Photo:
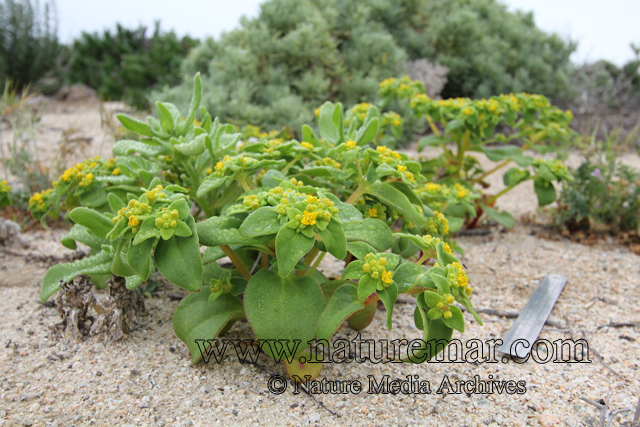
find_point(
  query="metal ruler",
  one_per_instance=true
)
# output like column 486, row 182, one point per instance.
column 525, row 330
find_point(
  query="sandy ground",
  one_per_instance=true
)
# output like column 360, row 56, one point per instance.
column 148, row 378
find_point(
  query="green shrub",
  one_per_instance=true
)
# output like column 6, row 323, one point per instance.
column 275, row 207
column 606, row 193
column 277, row 68
column 488, row 50
column 128, row 64
column 28, row 41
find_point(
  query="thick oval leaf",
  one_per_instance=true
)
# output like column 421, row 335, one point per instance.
column 353, row 270
column 290, row 248
column 432, row 141
column 302, row 366
column 217, row 231
column 165, row 116
column 261, row 222
column 195, row 147
column 456, row 321
column 334, row 239
column 545, row 191
column 507, row 152
column 408, row 275
column 127, row 147
column 135, row 125
column 393, row 197
column 283, row 308
column 328, row 129
column 435, row 339
column 80, row 233
column 195, row 321
column 367, row 132
column 503, row 218
column 343, row 303
column 360, row 249
column 178, row 259
column 363, row 318
column 373, row 231
column 388, row 296
column 95, row 222
column 98, row 264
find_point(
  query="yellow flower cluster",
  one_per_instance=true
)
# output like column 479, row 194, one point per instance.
column 328, row 162
column 307, row 145
column 387, row 155
column 167, row 220
column 273, row 145
column 136, row 209
column 40, row 201
column 438, row 224
column 433, row 241
column 220, row 286
column 315, row 210
column 458, row 277
column 374, row 266
column 4, row 187
column 253, row 202
column 443, row 306
column 377, row 211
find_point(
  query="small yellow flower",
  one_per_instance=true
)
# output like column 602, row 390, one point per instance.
column 309, row 218
column 373, row 212
column 351, row 144
column 387, row 277
column 401, row 168
column 307, row 145
column 133, row 221
column 116, row 171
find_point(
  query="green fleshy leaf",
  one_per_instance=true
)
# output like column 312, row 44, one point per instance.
column 182, row 230
column 80, row 233
column 431, row 298
column 135, row 125
column 195, row 320
column 133, row 282
column 388, row 296
column 456, row 321
column 290, row 248
column 444, row 258
column 263, row 221
column 178, row 259
column 441, row 282
column 503, row 218
column 366, row 286
column 98, row 264
column 127, row 147
column 343, row 303
column 283, row 308
column 363, row 318
column 139, row 258
column 408, row 275
column 353, row 270
column 373, row 231
column 334, row 239
column 181, row 206
column 545, row 191
column 148, row 229
column 95, row 222
column 217, row 231
column 360, row 249
column 393, row 197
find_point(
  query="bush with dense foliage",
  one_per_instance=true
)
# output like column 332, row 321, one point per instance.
column 277, row 68
column 28, row 41
column 128, row 64
column 275, row 207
